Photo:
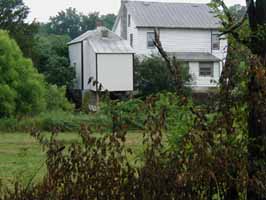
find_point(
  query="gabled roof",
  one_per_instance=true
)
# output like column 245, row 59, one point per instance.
column 111, row 43
column 172, row 15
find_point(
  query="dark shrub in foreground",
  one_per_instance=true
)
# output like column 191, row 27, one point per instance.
column 207, row 163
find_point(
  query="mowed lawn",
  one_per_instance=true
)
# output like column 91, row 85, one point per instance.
column 21, row 155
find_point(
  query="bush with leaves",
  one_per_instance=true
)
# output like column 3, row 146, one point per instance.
column 151, row 75
column 56, row 99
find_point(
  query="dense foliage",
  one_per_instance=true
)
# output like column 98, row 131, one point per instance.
column 22, row 88
column 151, row 75
column 204, row 162
column 52, row 60
column 72, row 23
column 13, row 14
column 214, row 150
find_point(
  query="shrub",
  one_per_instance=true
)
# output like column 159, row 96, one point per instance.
column 209, row 164
column 56, row 99
column 59, row 120
column 151, row 76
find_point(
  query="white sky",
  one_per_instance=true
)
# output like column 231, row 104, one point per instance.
column 43, row 9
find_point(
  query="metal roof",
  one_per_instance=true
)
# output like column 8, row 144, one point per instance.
column 172, row 15
column 111, row 43
column 194, row 56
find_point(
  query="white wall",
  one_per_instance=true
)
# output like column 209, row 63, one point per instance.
column 75, row 60
column 132, row 30
column 115, row 71
column 89, row 65
column 118, row 27
column 222, row 52
column 176, row 40
column 204, row 81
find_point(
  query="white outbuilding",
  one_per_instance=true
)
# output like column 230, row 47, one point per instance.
column 102, row 58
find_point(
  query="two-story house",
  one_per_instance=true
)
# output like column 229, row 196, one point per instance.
column 190, row 32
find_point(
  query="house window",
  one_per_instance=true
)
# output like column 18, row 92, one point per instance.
column 129, row 20
column 150, row 39
column 215, row 41
column 206, row 69
column 131, row 40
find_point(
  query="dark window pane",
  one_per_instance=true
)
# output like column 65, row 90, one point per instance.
column 131, row 40
column 129, row 20
column 150, row 39
column 206, row 69
column 215, row 42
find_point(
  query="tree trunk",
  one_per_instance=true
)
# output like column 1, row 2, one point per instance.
column 257, row 97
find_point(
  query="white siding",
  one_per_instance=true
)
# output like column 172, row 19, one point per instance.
column 176, row 40
column 186, row 40
column 89, row 65
column 118, row 27
column 204, row 81
column 75, row 60
column 132, row 30
column 115, row 71
column 222, row 52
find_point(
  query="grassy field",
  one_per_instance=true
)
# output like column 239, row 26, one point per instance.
column 21, row 155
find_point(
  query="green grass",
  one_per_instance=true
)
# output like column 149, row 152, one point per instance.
column 21, row 155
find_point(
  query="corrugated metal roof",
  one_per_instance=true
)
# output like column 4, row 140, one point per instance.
column 172, row 15
column 112, row 43
column 194, row 56
column 107, row 46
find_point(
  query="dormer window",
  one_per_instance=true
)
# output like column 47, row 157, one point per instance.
column 215, row 41
column 129, row 20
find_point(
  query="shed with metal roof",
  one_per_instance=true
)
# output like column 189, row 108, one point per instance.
column 102, row 61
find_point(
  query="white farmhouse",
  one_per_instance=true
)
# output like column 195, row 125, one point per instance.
column 102, row 61
column 187, row 31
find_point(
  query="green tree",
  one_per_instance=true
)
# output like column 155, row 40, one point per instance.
column 66, row 22
column 22, row 89
column 52, row 59
column 13, row 14
column 73, row 23
column 89, row 22
column 108, row 20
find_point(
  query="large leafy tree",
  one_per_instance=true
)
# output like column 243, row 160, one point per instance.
column 13, row 14
column 66, row 22
column 52, row 59
column 108, row 20
column 72, row 23
column 22, row 88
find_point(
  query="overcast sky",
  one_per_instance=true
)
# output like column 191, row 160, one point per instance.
column 43, row 9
